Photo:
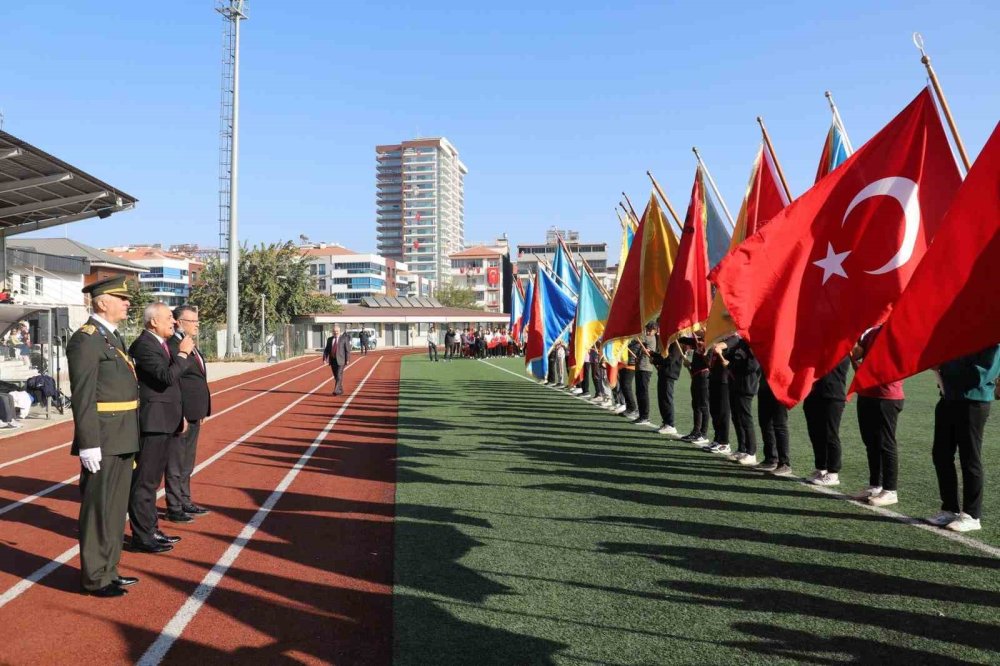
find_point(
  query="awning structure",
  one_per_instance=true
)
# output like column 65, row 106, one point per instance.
column 38, row 190
column 11, row 314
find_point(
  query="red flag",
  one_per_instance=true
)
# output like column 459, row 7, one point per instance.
column 950, row 307
column 535, row 347
column 807, row 285
column 686, row 303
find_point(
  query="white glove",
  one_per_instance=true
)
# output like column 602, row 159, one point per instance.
column 91, row 459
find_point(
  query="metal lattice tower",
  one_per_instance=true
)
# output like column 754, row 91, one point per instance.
column 232, row 11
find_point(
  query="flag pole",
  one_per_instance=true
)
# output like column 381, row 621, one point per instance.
column 666, row 201
column 552, row 273
column 625, row 210
column 630, row 206
column 777, row 164
column 840, row 121
column 593, row 276
column 620, row 220
column 918, row 41
column 715, row 188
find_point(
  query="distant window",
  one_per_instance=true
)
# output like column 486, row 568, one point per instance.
column 39, row 285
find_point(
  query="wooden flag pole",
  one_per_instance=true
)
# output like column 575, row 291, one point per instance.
column 625, row 210
column 666, row 202
column 636, row 217
column 715, row 188
column 918, row 41
column 593, row 276
column 777, row 164
column 840, row 121
column 552, row 274
column 620, row 220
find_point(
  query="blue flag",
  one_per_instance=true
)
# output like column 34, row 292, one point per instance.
column 553, row 314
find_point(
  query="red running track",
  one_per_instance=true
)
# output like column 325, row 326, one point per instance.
column 312, row 584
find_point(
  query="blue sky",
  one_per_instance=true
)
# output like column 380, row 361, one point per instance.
column 556, row 107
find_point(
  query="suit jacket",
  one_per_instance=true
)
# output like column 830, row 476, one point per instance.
column 337, row 351
column 160, row 404
column 195, row 396
column 101, row 372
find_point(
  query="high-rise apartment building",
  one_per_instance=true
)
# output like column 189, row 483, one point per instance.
column 420, row 200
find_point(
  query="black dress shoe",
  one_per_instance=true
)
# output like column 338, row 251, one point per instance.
column 139, row 547
column 178, row 517
column 195, row 510
column 163, row 538
column 125, row 581
column 106, row 592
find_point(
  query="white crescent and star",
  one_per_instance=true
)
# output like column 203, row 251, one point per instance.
column 902, row 190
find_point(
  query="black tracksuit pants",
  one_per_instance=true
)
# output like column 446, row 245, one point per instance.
column 877, row 419
column 823, row 423
column 700, row 404
column 959, row 425
column 665, row 395
column 742, row 411
column 718, row 396
column 773, row 417
column 642, row 378
column 626, row 380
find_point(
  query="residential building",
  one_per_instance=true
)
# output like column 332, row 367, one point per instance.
column 168, row 275
column 101, row 265
column 350, row 276
column 595, row 254
column 420, row 204
column 486, row 271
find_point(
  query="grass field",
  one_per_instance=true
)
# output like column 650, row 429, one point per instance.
column 533, row 528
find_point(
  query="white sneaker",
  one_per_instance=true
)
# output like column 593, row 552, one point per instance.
column 597, row 400
column 620, row 409
column 943, row 518
column 828, row 479
column 631, row 416
column 748, row 459
column 723, row 449
column 884, row 498
column 577, row 391
column 964, row 523
column 701, row 441
column 817, row 474
column 736, row 457
column 869, row 491
column 668, row 430
column 642, row 422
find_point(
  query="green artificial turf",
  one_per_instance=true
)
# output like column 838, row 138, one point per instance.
column 533, row 528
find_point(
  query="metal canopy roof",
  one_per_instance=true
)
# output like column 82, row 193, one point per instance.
column 38, row 190
column 400, row 302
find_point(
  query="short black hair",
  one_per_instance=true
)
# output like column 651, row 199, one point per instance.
column 181, row 309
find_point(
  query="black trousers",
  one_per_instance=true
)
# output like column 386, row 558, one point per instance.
column 432, row 351
column 626, row 380
column 151, row 463
column 665, row 395
column 718, row 397
column 338, row 378
column 742, row 410
column 823, row 423
column 104, row 503
column 642, row 378
column 958, row 425
column 180, row 465
column 585, row 379
column 700, row 404
column 877, row 419
column 773, row 417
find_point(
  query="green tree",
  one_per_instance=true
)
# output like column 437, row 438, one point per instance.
column 139, row 297
column 276, row 271
column 456, row 297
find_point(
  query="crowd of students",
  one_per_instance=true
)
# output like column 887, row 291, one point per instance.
column 470, row 343
column 725, row 378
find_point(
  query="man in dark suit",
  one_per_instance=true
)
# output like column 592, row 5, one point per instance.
column 161, row 422
column 105, row 435
column 197, row 402
column 337, row 353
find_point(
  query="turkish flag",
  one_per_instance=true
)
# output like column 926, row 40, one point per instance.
column 805, row 287
column 950, row 307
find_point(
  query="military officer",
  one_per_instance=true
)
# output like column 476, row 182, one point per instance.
column 105, row 435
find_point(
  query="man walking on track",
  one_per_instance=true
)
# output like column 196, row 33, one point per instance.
column 337, row 353
column 105, row 435
column 197, row 402
column 161, row 420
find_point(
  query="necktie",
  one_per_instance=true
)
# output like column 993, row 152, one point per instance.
column 201, row 363
column 166, row 349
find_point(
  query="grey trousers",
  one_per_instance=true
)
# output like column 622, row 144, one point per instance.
column 180, row 465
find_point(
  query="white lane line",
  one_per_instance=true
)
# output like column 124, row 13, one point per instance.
column 158, row 650
column 51, row 489
column 65, row 444
column 885, row 513
column 25, row 584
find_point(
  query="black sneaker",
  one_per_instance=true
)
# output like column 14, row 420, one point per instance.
column 178, row 517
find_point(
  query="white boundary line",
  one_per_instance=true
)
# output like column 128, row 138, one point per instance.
column 51, row 489
column 25, row 584
column 885, row 513
column 175, row 627
column 65, row 444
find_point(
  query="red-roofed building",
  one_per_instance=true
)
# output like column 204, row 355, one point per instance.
column 168, row 275
column 487, row 272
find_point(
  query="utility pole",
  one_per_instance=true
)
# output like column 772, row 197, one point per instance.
column 232, row 12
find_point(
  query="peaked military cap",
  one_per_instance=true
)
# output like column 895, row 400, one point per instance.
column 114, row 286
